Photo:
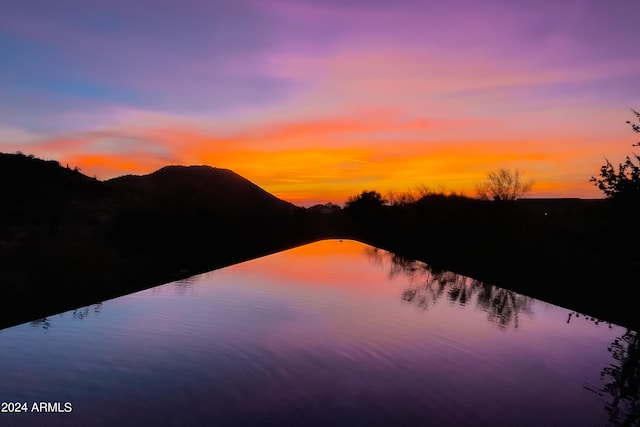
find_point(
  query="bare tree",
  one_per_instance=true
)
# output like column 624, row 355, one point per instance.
column 504, row 184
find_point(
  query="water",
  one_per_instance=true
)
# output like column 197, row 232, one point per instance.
column 333, row 333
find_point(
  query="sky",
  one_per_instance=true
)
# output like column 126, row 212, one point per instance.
column 318, row 100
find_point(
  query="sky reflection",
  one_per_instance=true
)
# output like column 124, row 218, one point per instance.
column 319, row 335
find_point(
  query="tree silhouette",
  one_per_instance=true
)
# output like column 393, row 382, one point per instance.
column 623, row 181
column 504, row 184
column 635, row 127
column 365, row 203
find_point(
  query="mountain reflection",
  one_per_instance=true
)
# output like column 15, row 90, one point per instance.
column 428, row 285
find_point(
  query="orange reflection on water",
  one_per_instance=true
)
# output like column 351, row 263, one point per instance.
column 325, row 264
column 335, row 274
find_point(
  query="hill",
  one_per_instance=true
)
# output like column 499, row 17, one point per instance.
column 38, row 192
column 68, row 240
column 216, row 190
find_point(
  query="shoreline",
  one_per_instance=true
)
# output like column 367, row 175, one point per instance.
column 558, row 287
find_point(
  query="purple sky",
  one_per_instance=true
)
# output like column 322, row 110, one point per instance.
column 539, row 73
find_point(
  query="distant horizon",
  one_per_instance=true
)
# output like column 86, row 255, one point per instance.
column 304, row 203
column 318, row 100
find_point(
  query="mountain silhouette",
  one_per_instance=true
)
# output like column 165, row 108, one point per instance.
column 37, row 192
column 68, row 240
column 219, row 190
column 44, row 178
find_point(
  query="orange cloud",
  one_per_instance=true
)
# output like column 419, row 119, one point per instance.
column 330, row 159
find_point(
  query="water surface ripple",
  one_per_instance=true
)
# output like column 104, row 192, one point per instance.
column 333, row 333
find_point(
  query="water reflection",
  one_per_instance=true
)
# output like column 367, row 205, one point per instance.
column 318, row 336
column 82, row 313
column 594, row 320
column 184, row 286
column 428, row 285
column 44, row 323
column 78, row 314
column 621, row 381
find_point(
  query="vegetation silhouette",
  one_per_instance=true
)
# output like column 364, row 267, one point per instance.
column 365, row 205
column 67, row 240
column 504, row 184
column 576, row 253
column 429, row 285
column 621, row 381
column 557, row 250
column 622, row 182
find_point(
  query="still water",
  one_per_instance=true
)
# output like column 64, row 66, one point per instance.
column 333, row 333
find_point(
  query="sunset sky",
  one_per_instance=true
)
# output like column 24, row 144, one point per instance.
column 317, row 100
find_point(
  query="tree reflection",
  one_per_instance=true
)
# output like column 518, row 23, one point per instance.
column 595, row 320
column 502, row 305
column 184, row 286
column 82, row 313
column 428, row 285
column 622, row 381
column 78, row 314
column 43, row 323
